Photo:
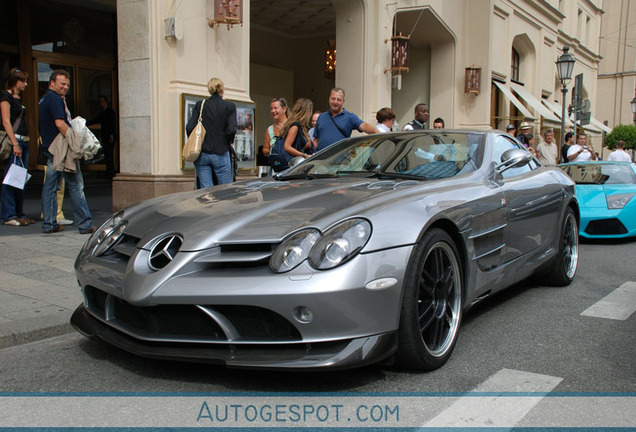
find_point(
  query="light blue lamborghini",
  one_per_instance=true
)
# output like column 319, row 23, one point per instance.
column 606, row 194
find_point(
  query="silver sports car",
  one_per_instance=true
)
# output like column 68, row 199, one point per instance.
column 369, row 251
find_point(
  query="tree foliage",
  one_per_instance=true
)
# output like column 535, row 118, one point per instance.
column 623, row 132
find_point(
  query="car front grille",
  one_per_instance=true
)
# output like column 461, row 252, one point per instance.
column 258, row 323
column 605, row 227
column 190, row 323
column 171, row 321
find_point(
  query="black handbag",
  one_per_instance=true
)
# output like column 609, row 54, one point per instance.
column 261, row 159
column 42, row 159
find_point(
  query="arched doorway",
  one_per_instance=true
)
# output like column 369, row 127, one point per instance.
column 432, row 66
column 287, row 53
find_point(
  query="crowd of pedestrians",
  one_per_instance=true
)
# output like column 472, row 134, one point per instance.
column 574, row 149
column 300, row 130
column 329, row 127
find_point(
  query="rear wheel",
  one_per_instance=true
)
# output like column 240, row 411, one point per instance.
column 432, row 304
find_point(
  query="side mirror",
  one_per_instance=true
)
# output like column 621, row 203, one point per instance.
column 513, row 158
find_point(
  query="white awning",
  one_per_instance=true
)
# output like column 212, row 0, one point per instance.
column 534, row 103
column 508, row 94
column 600, row 125
column 556, row 108
column 594, row 126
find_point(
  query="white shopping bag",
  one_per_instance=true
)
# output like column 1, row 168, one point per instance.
column 17, row 175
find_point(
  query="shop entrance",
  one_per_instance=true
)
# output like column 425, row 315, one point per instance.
column 78, row 36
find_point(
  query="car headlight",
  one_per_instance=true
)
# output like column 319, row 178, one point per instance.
column 618, row 201
column 107, row 235
column 340, row 243
column 293, row 250
column 323, row 251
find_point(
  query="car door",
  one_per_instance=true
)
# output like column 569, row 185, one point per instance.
column 534, row 201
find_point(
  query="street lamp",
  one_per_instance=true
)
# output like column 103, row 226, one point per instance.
column 634, row 109
column 565, row 67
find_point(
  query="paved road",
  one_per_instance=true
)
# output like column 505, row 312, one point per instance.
column 528, row 328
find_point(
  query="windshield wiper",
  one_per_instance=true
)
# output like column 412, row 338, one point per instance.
column 306, row 176
column 348, row 172
column 392, row 175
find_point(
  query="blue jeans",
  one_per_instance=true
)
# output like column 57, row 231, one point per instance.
column 13, row 198
column 75, row 188
column 209, row 163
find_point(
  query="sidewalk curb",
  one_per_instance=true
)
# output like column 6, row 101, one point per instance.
column 34, row 329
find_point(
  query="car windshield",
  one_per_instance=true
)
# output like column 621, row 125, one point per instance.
column 419, row 156
column 599, row 173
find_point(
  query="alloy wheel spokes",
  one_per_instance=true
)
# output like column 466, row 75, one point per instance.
column 437, row 300
column 427, row 316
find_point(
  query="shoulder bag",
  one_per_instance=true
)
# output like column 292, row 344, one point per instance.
column 5, row 143
column 278, row 158
column 192, row 147
column 338, row 127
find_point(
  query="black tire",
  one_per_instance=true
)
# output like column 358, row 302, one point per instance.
column 561, row 269
column 431, row 304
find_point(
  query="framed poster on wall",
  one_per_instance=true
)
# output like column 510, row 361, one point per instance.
column 244, row 143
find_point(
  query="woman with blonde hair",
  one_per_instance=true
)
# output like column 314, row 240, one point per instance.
column 278, row 111
column 214, row 166
column 14, row 124
column 296, row 130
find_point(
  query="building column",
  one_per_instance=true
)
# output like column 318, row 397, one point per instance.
column 155, row 72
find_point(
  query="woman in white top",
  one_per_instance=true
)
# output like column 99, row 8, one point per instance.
column 278, row 110
column 385, row 118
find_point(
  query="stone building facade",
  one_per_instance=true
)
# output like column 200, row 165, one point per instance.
column 166, row 51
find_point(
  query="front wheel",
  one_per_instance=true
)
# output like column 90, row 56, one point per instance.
column 562, row 268
column 432, row 303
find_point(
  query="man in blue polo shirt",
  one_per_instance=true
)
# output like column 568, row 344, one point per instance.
column 55, row 118
column 338, row 123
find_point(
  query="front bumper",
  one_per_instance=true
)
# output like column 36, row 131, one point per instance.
column 339, row 354
column 605, row 223
column 247, row 317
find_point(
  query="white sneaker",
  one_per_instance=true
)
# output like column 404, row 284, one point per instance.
column 65, row 221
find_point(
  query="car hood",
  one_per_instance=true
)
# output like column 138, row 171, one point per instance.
column 593, row 196
column 258, row 211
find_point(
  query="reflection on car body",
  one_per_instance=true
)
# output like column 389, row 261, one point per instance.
column 371, row 250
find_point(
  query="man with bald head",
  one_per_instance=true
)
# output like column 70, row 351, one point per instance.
column 338, row 123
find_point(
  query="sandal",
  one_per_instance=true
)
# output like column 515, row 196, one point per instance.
column 15, row 222
column 28, row 221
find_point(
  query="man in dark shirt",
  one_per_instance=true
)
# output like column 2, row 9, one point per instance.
column 108, row 122
column 55, row 119
column 421, row 114
column 569, row 140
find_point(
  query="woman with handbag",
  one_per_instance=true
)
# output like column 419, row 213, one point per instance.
column 295, row 136
column 214, row 166
column 14, row 125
